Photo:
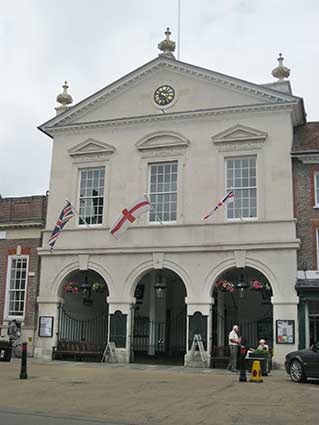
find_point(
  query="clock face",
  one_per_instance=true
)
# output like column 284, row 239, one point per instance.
column 164, row 95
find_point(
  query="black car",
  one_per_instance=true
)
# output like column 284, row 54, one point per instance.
column 303, row 364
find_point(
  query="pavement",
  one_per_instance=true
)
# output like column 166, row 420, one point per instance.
column 70, row 393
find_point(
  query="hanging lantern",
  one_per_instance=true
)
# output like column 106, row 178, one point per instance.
column 242, row 285
column 160, row 286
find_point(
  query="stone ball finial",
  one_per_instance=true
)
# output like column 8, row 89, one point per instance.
column 167, row 46
column 64, row 98
column 281, row 72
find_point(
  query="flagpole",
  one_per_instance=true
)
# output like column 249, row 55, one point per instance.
column 178, row 29
column 77, row 213
column 152, row 207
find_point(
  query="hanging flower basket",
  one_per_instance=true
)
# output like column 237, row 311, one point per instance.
column 224, row 285
column 71, row 287
column 98, row 287
column 256, row 285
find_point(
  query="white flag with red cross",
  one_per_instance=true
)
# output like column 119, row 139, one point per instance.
column 129, row 215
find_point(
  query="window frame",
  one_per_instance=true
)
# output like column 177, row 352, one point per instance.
column 234, row 158
column 8, row 316
column 80, row 170
column 316, row 189
column 157, row 163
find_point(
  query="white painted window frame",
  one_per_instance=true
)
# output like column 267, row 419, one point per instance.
column 233, row 158
column 91, row 167
column 156, row 163
column 8, row 316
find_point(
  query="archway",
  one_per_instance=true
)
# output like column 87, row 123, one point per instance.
column 242, row 296
column 159, row 326
column 83, row 317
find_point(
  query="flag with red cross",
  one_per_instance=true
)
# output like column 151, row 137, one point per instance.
column 129, row 215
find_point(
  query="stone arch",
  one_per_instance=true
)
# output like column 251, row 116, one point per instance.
column 140, row 270
column 56, row 288
column 230, row 263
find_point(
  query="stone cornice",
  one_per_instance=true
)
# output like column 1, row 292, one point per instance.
column 156, row 65
column 21, row 225
column 307, row 158
column 243, row 222
column 207, row 247
column 173, row 116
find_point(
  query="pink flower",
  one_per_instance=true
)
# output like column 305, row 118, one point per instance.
column 257, row 285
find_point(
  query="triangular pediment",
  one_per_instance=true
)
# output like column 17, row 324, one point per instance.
column 196, row 89
column 91, row 147
column 160, row 140
column 239, row 133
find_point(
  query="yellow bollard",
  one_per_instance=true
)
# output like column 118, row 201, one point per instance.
column 255, row 375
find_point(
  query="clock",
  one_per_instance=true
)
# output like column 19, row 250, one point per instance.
column 164, row 95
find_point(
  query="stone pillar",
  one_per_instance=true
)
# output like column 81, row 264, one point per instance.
column 43, row 345
column 120, row 322
column 118, row 329
column 285, row 310
column 199, row 321
column 220, row 319
column 152, row 316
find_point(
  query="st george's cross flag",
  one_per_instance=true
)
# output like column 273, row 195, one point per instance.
column 129, row 215
column 229, row 196
column 66, row 214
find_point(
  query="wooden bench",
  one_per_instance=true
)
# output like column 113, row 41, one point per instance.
column 69, row 350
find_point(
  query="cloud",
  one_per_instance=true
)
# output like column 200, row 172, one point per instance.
column 90, row 44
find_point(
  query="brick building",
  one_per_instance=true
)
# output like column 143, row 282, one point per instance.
column 305, row 162
column 21, row 222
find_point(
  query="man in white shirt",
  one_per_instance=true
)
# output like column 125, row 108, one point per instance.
column 234, row 343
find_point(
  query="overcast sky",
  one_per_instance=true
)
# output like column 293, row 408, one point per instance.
column 91, row 43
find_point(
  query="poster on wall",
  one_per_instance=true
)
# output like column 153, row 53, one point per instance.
column 46, row 326
column 285, row 331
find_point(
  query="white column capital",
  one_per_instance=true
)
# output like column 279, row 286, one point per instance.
column 202, row 307
column 123, row 306
column 285, row 301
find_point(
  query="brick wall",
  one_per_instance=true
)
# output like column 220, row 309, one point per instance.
column 21, row 213
column 29, row 246
column 23, row 209
column 307, row 216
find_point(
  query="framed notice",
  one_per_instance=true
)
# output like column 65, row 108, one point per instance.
column 46, row 326
column 285, row 331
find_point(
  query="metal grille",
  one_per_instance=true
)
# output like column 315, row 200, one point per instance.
column 76, row 328
column 166, row 337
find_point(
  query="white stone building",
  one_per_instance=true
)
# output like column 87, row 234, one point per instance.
column 184, row 135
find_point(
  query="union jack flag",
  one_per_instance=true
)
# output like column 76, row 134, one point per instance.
column 229, row 196
column 66, row 214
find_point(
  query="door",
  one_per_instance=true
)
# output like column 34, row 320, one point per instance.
column 311, row 361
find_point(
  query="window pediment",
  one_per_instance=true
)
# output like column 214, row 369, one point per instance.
column 91, row 148
column 162, row 140
column 240, row 137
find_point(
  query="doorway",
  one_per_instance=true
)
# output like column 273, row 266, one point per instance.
column 243, row 297
column 159, row 327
